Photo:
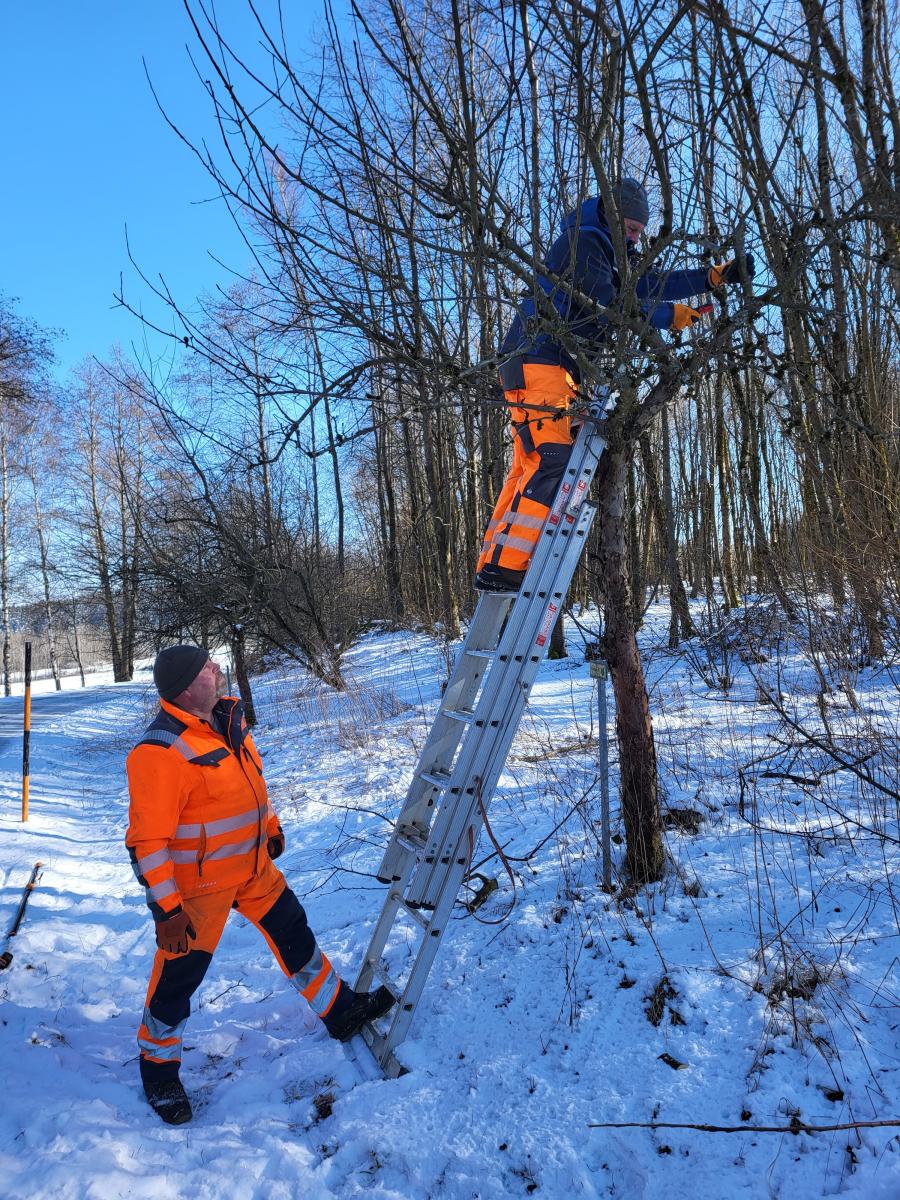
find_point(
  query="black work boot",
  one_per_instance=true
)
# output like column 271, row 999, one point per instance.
column 351, row 1010
column 492, row 578
column 169, row 1101
column 163, row 1089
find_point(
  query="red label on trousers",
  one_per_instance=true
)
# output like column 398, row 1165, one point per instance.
column 548, row 624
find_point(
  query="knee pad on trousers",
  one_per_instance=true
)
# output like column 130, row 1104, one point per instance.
column 541, row 488
column 286, row 925
column 180, row 978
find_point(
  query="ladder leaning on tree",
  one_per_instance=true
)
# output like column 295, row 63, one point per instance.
column 433, row 842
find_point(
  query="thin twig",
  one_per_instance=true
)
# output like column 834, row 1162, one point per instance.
column 794, row 1127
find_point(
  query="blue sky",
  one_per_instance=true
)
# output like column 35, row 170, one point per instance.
column 86, row 153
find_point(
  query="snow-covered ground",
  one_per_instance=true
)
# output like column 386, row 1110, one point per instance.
column 767, row 958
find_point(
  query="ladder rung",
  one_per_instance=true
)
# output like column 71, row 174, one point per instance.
column 413, row 844
column 438, row 779
column 481, row 653
column 408, row 908
column 459, row 714
column 394, row 988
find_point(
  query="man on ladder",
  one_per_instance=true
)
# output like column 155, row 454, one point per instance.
column 538, row 372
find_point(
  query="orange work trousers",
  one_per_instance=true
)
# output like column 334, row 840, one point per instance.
column 542, row 443
column 268, row 902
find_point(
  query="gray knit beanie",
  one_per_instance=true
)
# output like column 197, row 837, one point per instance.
column 176, row 668
column 632, row 200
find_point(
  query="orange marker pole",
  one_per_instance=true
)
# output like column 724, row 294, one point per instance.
column 26, row 736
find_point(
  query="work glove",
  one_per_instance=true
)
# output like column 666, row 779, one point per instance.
column 729, row 272
column 275, row 844
column 683, row 317
column 173, row 933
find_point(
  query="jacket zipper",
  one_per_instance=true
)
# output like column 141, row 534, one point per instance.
column 258, row 807
column 201, row 851
column 236, row 751
column 237, row 754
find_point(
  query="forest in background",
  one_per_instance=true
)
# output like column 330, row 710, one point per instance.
column 322, row 447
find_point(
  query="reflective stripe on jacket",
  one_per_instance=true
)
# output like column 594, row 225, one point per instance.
column 200, row 817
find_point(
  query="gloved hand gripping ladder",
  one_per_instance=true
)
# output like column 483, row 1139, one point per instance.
column 429, row 853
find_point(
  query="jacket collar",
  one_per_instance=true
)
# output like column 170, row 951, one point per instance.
column 225, row 710
column 588, row 216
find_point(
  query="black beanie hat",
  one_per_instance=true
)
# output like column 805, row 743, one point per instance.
column 176, row 668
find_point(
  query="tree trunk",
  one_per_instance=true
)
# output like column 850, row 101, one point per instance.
column 45, row 577
column 680, row 624
column 76, row 648
column 644, row 854
column 104, row 575
column 4, row 560
column 240, row 673
column 557, row 647
column 731, row 596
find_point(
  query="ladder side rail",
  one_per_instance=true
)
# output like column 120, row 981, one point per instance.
column 404, row 1011
column 465, row 679
column 586, row 453
column 463, row 683
column 452, row 877
column 545, row 566
column 523, row 629
column 496, row 736
column 422, row 797
column 488, row 767
column 527, row 609
column 378, row 940
column 541, row 577
column 445, row 734
column 455, row 871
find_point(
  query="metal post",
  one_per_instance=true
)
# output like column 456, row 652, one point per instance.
column 26, row 734
column 600, row 671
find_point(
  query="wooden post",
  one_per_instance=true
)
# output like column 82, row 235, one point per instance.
column 26, row 733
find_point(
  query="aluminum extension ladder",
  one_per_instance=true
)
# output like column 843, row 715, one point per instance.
column 434, row 839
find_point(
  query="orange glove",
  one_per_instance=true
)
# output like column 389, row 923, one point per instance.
column 725, row 273
column 683, row 317
column 173, row 933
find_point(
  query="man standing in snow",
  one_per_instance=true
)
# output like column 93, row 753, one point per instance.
column 202, row 835
column 539, row 373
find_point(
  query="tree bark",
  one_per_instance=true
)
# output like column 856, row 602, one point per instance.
column 101, row 557
column 557, row 647
column 45, row 578
column 680, row 624
column 4, row 559
column 241, row 675
column 644, row 854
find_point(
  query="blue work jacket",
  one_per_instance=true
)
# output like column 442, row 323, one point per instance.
column 583, row 255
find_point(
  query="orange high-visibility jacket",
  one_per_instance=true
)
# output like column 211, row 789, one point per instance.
column 200, row 816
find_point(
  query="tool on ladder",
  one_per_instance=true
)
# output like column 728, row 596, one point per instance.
column 434, row 839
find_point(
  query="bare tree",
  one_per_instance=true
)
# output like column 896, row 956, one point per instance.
column 397, row 195
column 24, row 352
